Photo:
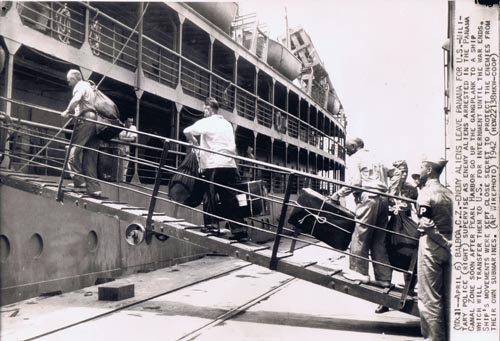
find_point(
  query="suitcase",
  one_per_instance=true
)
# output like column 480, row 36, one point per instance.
column 247, row 204
column 334, row 229
column 109, row 167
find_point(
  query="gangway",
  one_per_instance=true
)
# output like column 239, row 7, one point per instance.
column 146, row 223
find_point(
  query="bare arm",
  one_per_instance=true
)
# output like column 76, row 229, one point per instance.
column 190, row 138
column 72, row 104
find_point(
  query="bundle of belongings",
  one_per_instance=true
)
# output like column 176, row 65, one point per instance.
column 107, row 112
column 321, row 217
column 186, row 187
column 400, row 248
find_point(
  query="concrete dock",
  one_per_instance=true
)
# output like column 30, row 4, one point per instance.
column 213, row 298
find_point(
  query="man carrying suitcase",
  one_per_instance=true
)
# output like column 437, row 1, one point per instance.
column 217, row 134
column 368, row 173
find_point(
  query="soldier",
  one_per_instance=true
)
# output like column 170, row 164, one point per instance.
column 435, row 210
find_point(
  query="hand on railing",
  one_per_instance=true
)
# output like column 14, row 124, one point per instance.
column 65, row 114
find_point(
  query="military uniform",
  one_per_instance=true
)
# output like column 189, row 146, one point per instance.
column 434, row 259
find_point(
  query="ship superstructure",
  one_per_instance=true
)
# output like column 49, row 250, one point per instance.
column 161, row 60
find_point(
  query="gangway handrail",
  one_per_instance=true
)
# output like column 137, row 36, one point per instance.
column 285, row 204
column 237, row 157
column 226, row 219
column 277, row 200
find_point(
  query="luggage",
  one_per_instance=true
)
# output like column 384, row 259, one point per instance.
column 399, row 248
column 187, row 190
column 248, row 204
column 108, row 167
column 107, row 112
column 320, row 217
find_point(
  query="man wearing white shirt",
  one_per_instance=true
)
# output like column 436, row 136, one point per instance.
column 128, row 137
column 216, row 134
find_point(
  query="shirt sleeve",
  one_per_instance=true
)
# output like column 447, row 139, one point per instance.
column 134, row 128
column 198, row 128
column 353, row 177
column 79, row 89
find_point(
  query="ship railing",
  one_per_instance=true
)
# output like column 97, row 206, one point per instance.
column 223, row 91
column 105, row 34
column 194, row 80
column 293, row 126
column 107, row 38
column 62, row 21
column 245, row 104
column 160, row 64
column 278, row 230
column 264, row 113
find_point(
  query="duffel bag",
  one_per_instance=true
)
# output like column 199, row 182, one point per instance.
column 108, row 113
column 399, row 248
column 319, row 216
column 185, row 189
column 105, row 132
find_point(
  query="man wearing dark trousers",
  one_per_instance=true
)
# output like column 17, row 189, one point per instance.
column 83, row 160
column 217, row 134
column 435, row 210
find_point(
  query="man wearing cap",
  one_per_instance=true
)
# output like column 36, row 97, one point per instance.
column 371, row 209
column 217, row 134
column 435, row 209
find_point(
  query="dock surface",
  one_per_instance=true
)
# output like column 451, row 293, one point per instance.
column 213, row 298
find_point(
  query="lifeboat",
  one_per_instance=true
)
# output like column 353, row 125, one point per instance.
column 221, row 14
column 283, row 60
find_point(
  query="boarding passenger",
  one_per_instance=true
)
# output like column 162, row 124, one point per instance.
column 435, row 209
column 83, row 161
column 399, row 186
column 128, row 137
column 215, row 133
column 368, row 173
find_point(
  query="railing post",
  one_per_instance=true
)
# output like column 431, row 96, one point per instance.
column 60, row 195
column 409, row 282
column 156, row 188
column 274, row 256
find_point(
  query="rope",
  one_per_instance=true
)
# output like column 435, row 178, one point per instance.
column 319, row 219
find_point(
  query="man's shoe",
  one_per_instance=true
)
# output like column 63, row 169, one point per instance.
column 356, row 276
column 382, row 284
column 381, row 309
column 239, row 236
column 210, row 229
column 72, row 185
column 96, row 195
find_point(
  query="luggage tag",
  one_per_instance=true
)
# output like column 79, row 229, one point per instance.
column 242, row 200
